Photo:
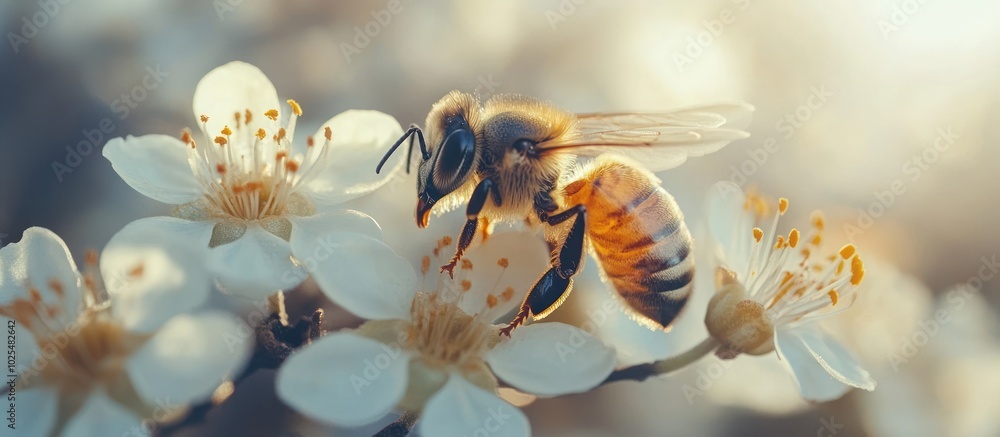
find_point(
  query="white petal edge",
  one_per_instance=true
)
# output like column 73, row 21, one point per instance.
column 564, row 359
column 311, row 228
column 361, row 274
column 461, row 408
column 231, row 88
column 822, row 368
column 344, row 379
column 256, row 265
column 40, row 258
column 189, row 357
column 156, row 166
column 38, row 407
column 359, row 140
column 152, row 275
column 101, row 417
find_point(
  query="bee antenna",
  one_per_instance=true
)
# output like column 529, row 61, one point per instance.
column 414, row 129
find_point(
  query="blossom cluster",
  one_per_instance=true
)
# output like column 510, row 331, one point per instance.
column 257, row 209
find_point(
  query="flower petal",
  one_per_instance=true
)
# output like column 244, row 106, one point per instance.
column 360, row 138
column 235, row 88
column 564, row 359
column 101, row 417
column 41, row 406
column 41, row 261
column 256, row 265
column 360, row 273
column 344, row 379
column 822, row 368
column 316, row 226
column 730, row 225
column 156, row 166
column 461, row 408
column 152, row 275
column 189, row 357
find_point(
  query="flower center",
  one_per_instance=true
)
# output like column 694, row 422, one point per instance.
column 78, row 352
column 445, row 333
column 251, row 174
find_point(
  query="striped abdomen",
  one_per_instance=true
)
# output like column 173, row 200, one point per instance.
column 638, row 235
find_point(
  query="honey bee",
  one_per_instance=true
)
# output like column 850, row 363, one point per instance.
column 514, row 158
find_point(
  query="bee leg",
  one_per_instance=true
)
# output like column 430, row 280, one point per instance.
column 476, row 203
column 554, row 286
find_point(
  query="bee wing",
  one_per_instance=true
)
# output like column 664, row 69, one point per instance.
column 659, row 140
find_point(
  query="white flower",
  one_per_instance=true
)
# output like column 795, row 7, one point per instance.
column 244, row 190
column 437, row 351
column 772, row 289
column 101, row 351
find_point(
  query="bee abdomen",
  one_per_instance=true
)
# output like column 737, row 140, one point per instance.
column 642, row 244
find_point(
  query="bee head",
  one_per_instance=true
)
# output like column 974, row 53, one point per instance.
column 447, row 166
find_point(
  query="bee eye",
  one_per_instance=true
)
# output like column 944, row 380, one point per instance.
column 455, row 157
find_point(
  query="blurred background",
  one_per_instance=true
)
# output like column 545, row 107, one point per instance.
column 882, row 113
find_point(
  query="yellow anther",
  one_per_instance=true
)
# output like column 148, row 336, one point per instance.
column 793, row 238
column 445, row 241
column 220, row 168
column 186, row 137
column 204, row 118
column 272, row 114
column 847, row 251
column 507, row 294
column 227, row 131
column 491, row 300
column 295, row 107
column 221, row 141
column 503, row 262
column 758, row 234
column 261, row 134
column 281, row 134
column 328, row 133
column 782, row 206
column 292, row 166
column 310, row 142
column 136, row 271
column 817, row 220
column 466, row 285
column 247, row 116
column 857, row 270
column 466, row 264
column 781, row 242
column 816, row 240
column 834, row 297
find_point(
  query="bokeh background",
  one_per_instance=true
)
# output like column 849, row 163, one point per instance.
column 882, row 113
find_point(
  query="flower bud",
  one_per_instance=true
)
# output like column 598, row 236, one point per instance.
column 736, row 320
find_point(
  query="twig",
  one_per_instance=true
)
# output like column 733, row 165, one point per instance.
column 401, row 427
column 640, row 372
